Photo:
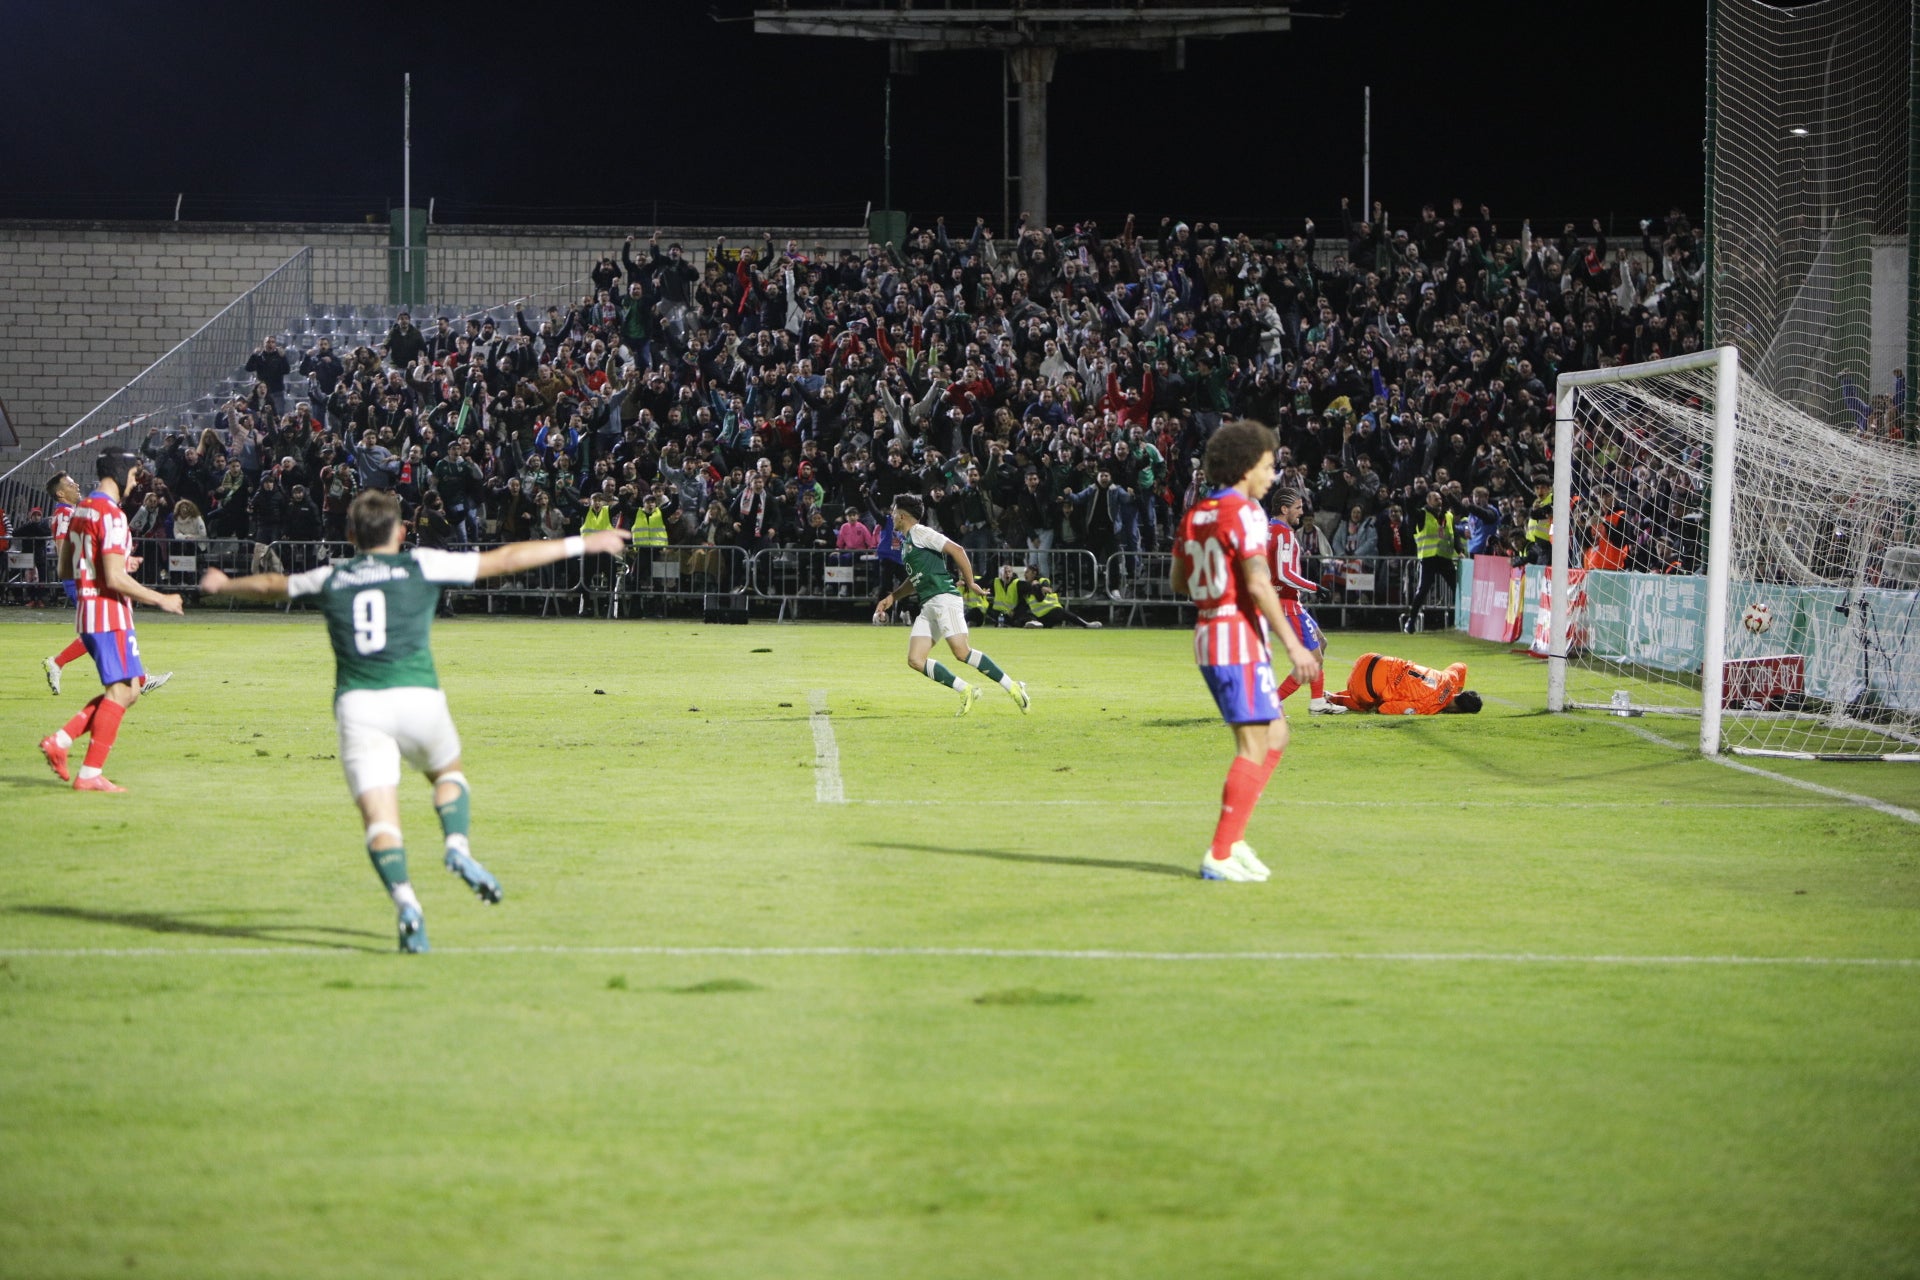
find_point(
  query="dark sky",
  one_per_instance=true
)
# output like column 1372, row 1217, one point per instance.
column 282, row 112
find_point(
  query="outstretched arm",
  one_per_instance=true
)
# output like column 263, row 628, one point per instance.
column 255, row 586
column 113, row 572
column 518, row 557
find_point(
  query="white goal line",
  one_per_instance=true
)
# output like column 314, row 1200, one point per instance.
column 1021, row 953
column 1844, row 797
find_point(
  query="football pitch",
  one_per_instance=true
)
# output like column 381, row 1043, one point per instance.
column 799, row 975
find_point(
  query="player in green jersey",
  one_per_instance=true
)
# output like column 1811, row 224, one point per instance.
column 387, row 700
column 943, row 614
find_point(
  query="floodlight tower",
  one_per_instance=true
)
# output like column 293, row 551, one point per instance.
column 1030, row 36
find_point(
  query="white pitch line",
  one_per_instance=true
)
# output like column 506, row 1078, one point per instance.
column 999, row 953
column 1284, row 802
column 1866, row 802
column 827, row 787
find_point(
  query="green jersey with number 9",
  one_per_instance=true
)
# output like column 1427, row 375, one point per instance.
column 379, row 611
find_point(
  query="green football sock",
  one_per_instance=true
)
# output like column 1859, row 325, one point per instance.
column 939, row 673
column 390, row 865
column 988, row 667
column 456, row 814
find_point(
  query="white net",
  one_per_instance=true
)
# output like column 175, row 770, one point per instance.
column 1808, row 135
column 1822, row 640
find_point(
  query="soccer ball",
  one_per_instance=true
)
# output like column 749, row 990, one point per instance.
column 1756, row 618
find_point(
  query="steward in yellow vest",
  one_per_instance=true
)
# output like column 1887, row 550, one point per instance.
column 1006, row 595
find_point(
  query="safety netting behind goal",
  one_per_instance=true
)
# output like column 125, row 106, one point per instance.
column 1810, row 136
column 1822, row 634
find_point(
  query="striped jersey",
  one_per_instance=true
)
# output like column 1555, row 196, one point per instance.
column 1216, row 536
column 98, row 528
column 62, row 520
column 1283, row 555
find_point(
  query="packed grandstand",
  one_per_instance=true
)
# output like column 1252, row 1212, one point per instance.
column 1047, row 391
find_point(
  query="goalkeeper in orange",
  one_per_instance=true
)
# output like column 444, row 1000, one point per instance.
column 1396, row 687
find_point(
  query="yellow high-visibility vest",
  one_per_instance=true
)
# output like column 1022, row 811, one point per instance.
column 649, row 528
column 1433, row 536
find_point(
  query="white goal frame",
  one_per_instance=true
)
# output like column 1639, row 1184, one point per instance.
column 1725, row 363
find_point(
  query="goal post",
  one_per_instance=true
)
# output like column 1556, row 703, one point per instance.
column 1724, row 365
column 1721, row 554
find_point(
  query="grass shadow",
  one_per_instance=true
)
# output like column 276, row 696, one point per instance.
column 160, row 922
column 1038, row 859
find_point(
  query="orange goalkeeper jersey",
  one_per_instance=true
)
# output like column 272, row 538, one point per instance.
column 1396, row 687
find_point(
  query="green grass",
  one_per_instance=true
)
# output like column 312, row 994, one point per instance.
column 276, row 1095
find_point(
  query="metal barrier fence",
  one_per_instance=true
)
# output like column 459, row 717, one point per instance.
column 806, row 575
column 165, row 564
column 652, row 579
column 1355, row 593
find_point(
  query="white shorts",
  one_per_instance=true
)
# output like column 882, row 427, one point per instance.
column 380, row 727
column 940, row 617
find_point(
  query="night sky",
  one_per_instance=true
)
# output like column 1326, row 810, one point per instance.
column 293, row 112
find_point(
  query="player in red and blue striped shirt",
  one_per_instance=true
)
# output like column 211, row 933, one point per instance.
column 1220, row 561
column 1289, row 583
column 95, row 557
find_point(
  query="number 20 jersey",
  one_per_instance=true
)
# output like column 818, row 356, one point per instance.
column 379, row 611
column 1221, row 530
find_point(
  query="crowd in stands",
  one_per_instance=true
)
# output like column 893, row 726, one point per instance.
column 1043, row 388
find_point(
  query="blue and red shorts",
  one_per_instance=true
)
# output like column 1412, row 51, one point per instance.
column 116, row 654
column 1245, row 694
column 1303, row 622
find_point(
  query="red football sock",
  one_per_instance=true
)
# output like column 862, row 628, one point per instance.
column 1267, row 767
column 1287, row 687
column 68, row 654
column 1319, row 685
column 84, row 717
column 1237, row 798
column 106, row 724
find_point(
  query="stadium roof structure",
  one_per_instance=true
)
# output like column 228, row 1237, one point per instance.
column 1030, row 38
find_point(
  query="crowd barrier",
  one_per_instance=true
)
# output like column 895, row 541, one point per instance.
column 1357, row 593
column 790, row 577
column 1133, row 588
column 652, row 580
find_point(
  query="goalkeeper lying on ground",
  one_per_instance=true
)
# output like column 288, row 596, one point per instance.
column 1396, row 687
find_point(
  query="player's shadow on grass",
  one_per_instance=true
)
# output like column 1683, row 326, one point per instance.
column 1038, row 859
column 158, row 922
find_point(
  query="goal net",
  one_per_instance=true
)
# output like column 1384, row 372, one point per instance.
column 1810, row 131
column 1733, row 558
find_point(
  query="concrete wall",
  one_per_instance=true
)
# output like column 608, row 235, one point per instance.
column 86, row 306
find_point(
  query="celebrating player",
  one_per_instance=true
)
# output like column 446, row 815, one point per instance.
column 943, row 613
column 65, row 491
column 1283, row 551
column 94, row 556
column 379, row 608
column 1220, row 560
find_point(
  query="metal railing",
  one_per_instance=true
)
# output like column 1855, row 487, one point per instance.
column 794, row 576
column 1132, row 587
column 1355, row 592
column 653, row 579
